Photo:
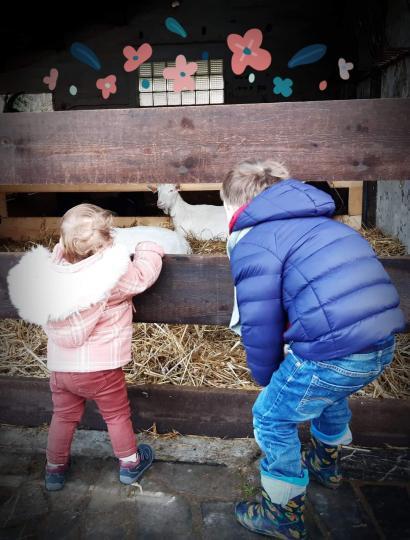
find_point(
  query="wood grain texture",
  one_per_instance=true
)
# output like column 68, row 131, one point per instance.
column 197, row 289
column 213, row 412
column 318, row 140
column 3, row 205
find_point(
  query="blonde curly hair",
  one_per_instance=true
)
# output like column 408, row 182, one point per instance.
column 85, row 230
column 250, row 178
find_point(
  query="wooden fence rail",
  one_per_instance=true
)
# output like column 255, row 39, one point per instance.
column 197, row 289
column 318, row 140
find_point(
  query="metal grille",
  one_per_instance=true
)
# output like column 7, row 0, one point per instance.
column 155, row 91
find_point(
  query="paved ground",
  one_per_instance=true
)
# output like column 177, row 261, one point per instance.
column 187, row 500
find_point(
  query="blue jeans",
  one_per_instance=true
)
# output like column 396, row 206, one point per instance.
column 302, row 390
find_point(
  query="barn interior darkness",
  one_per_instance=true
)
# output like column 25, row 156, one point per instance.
column 39, row 37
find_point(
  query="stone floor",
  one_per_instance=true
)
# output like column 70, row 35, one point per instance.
column 180, row 500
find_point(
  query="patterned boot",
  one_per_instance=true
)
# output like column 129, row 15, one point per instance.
column 323, row 463
column 265, row 517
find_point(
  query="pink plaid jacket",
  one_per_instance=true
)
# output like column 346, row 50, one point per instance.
column 99, row 337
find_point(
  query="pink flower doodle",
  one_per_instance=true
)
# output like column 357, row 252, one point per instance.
column 107, row 86
column 51, row 80
column 181, row 74
column 247, row 52
column 136, row 57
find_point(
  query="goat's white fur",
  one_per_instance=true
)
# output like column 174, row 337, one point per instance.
column 203, row 221
column 171, row 242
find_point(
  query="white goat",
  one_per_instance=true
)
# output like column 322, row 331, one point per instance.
column 172, row 242
column 203, row 221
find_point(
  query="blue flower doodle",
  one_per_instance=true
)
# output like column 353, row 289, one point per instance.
column 282, row 86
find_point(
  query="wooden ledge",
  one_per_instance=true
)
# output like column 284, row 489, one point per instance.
column 214, row 412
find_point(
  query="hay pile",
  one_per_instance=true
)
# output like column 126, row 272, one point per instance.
column 194, row 355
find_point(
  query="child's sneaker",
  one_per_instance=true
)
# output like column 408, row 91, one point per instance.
column 55, row 477
column 275, row 520
column 130, row 472
column 323, row 463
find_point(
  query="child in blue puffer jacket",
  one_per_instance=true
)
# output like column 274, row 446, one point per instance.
column 304, row 280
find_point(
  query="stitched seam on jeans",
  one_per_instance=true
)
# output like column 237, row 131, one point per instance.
column 305, row 397
column 288, row 381
column 284, row 387
column 353, row 374
column 319, row 383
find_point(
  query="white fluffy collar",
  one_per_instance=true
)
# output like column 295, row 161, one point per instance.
column 43, row 290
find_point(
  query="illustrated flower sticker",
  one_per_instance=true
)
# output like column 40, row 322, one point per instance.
column 282, row 86
column 107, row 86
column 247, row 51
column 344, row 68
column 136, row 57
column 181, row 74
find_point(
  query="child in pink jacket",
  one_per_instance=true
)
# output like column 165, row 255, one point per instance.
column 82, row 296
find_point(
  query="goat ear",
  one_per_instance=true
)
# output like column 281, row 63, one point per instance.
column 152, row 188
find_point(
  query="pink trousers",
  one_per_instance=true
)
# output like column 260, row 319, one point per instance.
column 70, row 392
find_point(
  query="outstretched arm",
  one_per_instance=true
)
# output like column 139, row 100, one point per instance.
column 143, row 271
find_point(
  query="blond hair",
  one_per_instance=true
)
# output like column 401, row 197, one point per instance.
column 250, row 178
column 85, row 229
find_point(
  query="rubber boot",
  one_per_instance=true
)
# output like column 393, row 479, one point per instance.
column 275, row 520
column 323, row 463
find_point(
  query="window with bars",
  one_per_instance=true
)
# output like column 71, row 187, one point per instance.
column 155, row 91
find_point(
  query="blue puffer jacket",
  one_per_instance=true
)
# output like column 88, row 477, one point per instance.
column 297, row 267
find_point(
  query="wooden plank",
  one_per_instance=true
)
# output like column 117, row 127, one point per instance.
column 38, row 227
column 3, row 205
column 344, row 184
column 369, row 204
column 355, row 200
column 319, row 140
column 197, row 411
column 197, row 289
column 97, row 188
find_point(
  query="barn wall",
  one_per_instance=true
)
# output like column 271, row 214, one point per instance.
column 286, row 27
column 393, row 198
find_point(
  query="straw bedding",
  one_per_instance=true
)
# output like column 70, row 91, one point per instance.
column 194, row 355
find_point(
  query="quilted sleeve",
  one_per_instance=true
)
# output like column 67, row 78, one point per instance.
column 257, row 275
column 143, row 271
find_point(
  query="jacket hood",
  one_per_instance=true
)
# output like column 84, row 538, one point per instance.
column 286, row 200
column 43, row 288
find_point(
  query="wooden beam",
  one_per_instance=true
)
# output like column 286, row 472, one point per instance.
column 3, row 205
column 197, row 411
column 16, row 228
column 97, row 188
column 319, row 140
column 355, row 200
column 197, row 289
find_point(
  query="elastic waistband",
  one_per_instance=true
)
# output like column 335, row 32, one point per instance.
column 378, row 346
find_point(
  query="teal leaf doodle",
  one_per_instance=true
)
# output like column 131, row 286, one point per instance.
column 308, row 55
column 85, row 55
column 174, row 26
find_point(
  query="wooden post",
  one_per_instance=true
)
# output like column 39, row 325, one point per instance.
column 3, row 205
